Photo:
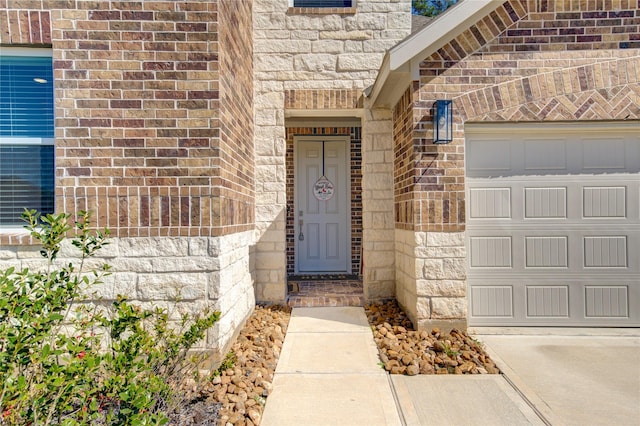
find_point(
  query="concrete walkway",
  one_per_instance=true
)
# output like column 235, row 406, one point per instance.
column 328, row 374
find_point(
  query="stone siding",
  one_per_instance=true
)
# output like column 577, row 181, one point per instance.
column 318, row 61
column 154, row 134
column 198, row 272
column 431, row 278
column 377, row 202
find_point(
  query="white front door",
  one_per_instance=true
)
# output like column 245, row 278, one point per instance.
column 321, row 227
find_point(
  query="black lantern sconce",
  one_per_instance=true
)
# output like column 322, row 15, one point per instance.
column 442, row 112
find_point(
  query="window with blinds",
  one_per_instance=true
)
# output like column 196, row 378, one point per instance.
column 27, row 166
column 322, row 3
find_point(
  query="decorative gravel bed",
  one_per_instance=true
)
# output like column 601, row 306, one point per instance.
column 237, row 396
column 404, row 350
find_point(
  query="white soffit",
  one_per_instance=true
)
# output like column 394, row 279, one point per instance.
column 402, row 61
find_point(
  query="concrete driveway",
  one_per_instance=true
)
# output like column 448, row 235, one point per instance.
column 572, row 376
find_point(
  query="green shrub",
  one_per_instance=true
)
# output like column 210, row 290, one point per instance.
column 66, row 361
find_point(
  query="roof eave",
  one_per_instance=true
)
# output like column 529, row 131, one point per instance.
column 401, row 63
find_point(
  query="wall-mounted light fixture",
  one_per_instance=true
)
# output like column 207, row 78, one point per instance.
column 442, row 112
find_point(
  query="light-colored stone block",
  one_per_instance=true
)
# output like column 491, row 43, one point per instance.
column 381, row 286
column 273, row 62
column 153, row 247
column 357, row 61
column 172, row 264
column 423, row 307
column 349, row 34
column 449, row 288
column 8, row 254
column 272, row 292
column 315, row 63
column 431, row 269
column 283, row 46
column 455, row 268
column 172, row 286
column 445, row 239
column 448, row 308
column 198, row 246
column 114, row 285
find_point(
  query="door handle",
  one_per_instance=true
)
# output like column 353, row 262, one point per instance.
column 301, row 235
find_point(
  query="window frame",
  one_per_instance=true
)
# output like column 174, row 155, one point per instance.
column 292, row 4
column 30, row 141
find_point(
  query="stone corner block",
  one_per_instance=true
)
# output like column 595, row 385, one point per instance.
column 445, row 239
column 445, row 326
column 448, row 308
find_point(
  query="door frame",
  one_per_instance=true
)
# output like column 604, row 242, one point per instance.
column 346, row 140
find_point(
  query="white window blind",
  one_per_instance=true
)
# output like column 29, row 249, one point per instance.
column 27, row 166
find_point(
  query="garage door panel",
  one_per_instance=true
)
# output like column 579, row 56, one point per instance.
column 545, row 154
column 605, row 252
column 545, row 203
column 553, row 228
column 492, row 157
column 546, row 252
column 490, row 252
column 607, row 302
column 606, row 153
column 604, row 202
column 492, row 301
column 490, row 203
column 548, row 301
column 561, row 303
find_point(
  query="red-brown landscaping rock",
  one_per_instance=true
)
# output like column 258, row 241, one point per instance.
column 404, row 350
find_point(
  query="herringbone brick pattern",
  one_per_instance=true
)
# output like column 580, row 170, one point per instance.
column 599, row 91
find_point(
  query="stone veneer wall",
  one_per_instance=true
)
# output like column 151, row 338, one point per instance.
column 378, row 247
column 529, row 60
column 154, row 134
column 431, row 277
column 201, row 272
column 317, row 61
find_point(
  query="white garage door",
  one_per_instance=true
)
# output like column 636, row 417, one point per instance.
column 553, row 224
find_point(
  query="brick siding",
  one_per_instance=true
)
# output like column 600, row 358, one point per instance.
column 24, row 27
column 323, row 99
column 237, row 197
column 403, row 169
column 153, row 111
column 490, row 77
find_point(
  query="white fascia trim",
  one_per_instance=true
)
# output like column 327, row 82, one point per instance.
column 405, row 57
column 440, row 31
